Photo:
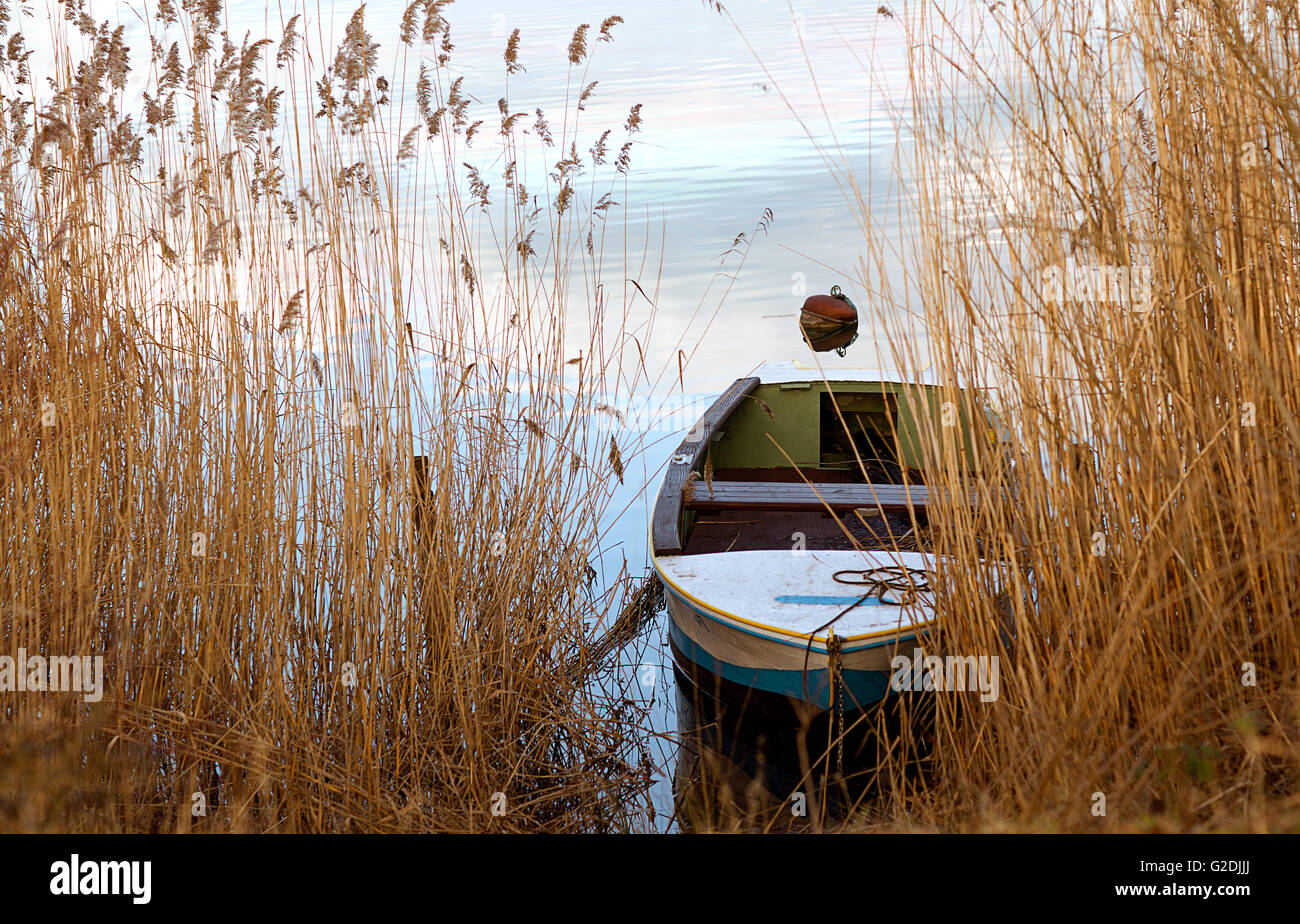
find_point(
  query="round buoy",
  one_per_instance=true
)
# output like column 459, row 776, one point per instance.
column 823, row 312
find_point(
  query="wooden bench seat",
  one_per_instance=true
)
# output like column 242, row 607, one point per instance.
column 776, row 495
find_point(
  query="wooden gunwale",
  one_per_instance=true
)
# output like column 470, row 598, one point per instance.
column 666, row 523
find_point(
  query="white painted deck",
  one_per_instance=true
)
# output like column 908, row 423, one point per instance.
column 748, row 584
column 783, row 373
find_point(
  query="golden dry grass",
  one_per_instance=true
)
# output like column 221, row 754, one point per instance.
column 1142, row 501
column 232, row 331
column 1144, row 506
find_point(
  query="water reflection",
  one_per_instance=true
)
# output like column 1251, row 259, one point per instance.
column 838, row 338
column 753, row 764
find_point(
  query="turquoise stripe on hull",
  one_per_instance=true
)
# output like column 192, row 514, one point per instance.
column 862, row 687
column 830, row 601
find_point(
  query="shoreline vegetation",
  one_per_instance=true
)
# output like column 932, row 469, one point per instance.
column 326, row 501
column 231, row 327
column 1145, row 508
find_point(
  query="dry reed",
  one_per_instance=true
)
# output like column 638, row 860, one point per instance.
column 237, row 326
column 1103, row 262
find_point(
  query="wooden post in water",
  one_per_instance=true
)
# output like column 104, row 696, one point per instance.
column 421, row 527
column 419, row 493
column 422, row 523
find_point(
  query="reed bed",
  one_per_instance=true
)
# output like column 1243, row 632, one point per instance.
column 320, row 487
column 1103, row 207
column 1108, row 210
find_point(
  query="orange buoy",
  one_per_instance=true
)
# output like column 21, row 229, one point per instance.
column 829, row 322
column 821, row 312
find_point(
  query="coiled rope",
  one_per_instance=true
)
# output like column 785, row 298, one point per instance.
column 907, row 581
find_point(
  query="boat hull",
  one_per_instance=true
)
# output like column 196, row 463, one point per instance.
column 752, row 659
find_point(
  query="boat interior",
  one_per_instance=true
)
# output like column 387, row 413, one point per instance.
column 732, row 530
column 773, row 465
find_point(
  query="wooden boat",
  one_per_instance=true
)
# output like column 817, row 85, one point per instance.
column 766, row 593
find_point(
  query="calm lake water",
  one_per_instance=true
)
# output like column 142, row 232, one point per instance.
column 722, row 140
